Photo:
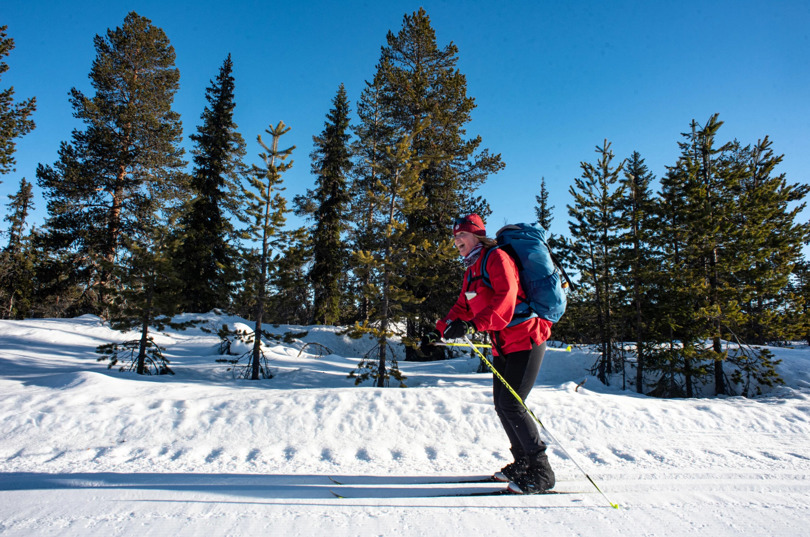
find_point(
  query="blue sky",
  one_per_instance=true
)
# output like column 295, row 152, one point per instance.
column 551, row 79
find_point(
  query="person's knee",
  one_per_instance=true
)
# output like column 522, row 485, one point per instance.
column 509, row 406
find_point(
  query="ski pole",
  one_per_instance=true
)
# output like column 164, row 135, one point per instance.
column 523, row 404
column 482, row 346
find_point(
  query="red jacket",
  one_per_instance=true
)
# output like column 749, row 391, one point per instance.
column 491, row 308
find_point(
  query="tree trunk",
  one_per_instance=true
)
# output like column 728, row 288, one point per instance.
column 687, row 373
column 257, row 331
column 146, row 319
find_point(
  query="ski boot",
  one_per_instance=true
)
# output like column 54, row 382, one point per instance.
column 511, row 471
column 538, row 477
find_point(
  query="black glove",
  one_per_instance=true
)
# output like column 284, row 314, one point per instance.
column 428, row 340
column 459, row 328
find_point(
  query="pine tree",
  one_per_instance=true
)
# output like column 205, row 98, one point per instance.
column 267, row 208
column 127, row 160
column 15, row 118
column 420, row 85
column 146, row 299
column 206, row 255
column 398, row 194
column 16, row 263
column 595, row 226
column 331, row 163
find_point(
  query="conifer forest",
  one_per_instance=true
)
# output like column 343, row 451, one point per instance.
column 679, row 278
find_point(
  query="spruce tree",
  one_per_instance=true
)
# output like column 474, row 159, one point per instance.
column 544, row 217
column 673, row 288
column 16, row 263
column 702, row 192
column 267, row 208
column 595, row 225
column 15, row 118
column 20, row 206
column 639, row 259
column 800, row 287
column 542, row 209
column 373, row 135
column 206, row 255
column 125, row 163
column 290, row 298
column 771, row 239
column 331, row 164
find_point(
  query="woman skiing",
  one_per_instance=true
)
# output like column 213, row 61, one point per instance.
column 518, row 347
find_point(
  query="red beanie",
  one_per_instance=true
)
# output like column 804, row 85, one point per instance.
column 471, row 223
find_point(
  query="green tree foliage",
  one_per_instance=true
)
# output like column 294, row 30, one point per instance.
column 726, row 242
column 422, row 94
column 291, row 299
column 267, row 208
column 16, row 261
column 373, row 135
column 206, row 254
column 638, row 258
column 398, row 193
column 800, row 287
column 542, row 210
column 146, row 298
column 595, row 224
column 704, row 183
column 124, row 164
column 327, row 205
column 545, row 216
column 15, row 117
column 772, row 241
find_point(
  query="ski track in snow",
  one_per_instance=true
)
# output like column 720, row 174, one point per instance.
column 89, row 451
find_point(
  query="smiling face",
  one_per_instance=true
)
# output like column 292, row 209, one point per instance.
column 465, row 242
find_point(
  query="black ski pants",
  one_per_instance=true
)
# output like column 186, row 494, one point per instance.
column 520, row 370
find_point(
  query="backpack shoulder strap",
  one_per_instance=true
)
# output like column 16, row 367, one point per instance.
column 559, row 267
column 484, row 273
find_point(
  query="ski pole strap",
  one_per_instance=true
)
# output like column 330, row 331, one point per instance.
column 523, row 404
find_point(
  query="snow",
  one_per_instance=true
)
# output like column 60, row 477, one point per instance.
column 85, row 450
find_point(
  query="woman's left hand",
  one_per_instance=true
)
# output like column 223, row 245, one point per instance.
column 459, row 328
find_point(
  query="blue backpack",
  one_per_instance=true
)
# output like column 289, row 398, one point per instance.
column 541, row 276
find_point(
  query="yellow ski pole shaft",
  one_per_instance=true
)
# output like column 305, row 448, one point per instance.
column 482, row 346
column 476, row 345
column 523, row 404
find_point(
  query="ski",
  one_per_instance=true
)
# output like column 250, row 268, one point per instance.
column 435, row 481
column 429, row 494
column 431, row 487
column 499, row 492
column 434, row 493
